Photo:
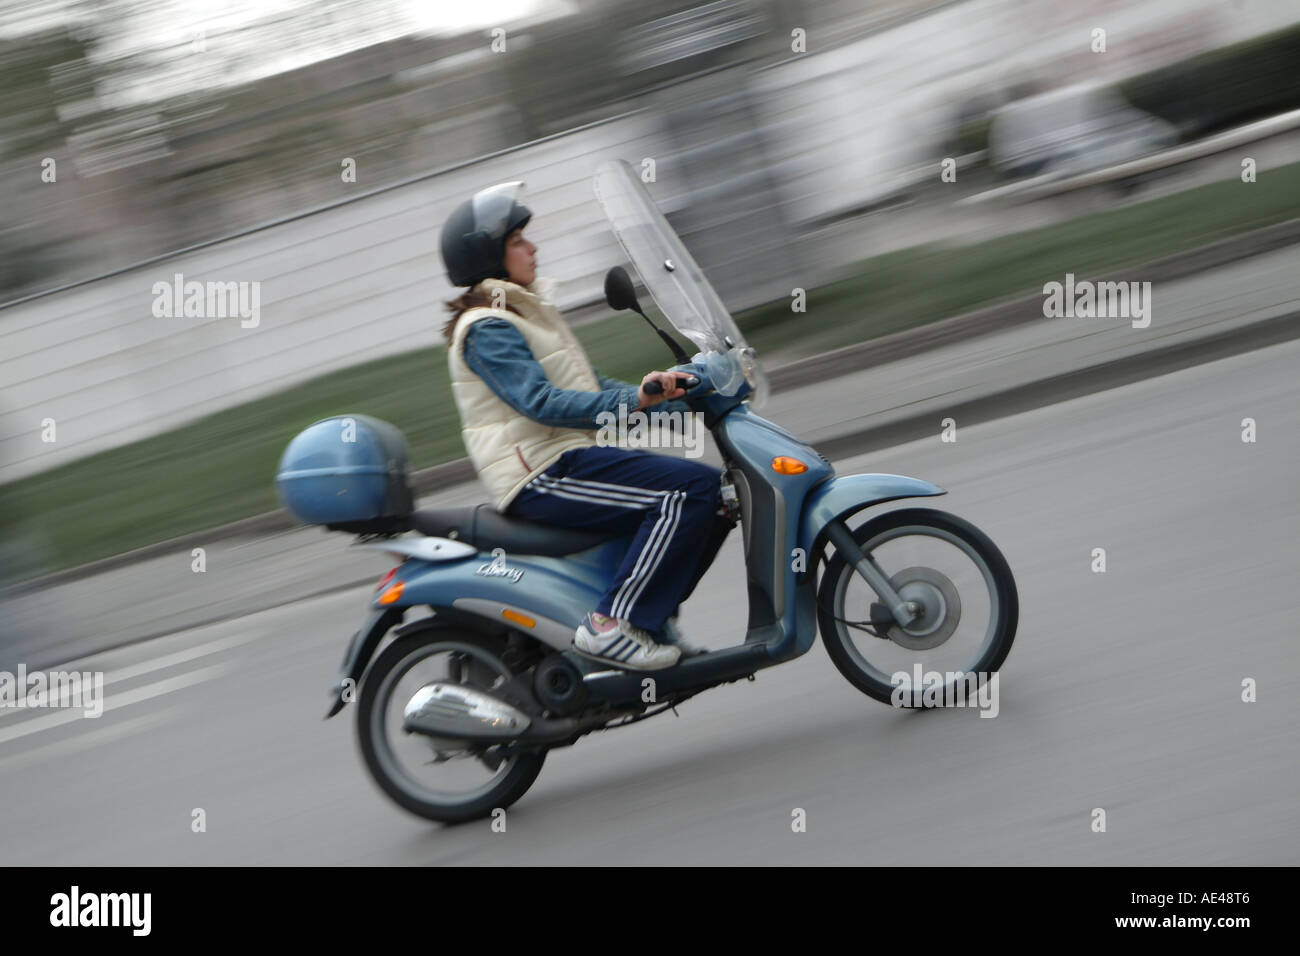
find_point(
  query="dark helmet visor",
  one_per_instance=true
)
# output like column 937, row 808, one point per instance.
column 492, row 208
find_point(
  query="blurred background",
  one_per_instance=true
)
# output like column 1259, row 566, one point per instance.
column 865, row 150
column 793, row 142
column 313, row 146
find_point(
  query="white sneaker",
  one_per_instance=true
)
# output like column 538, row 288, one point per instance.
column 623, row 645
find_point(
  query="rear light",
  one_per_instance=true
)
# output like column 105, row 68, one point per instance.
column 386, row 578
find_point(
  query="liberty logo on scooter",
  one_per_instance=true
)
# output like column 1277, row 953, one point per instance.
column 498, row 568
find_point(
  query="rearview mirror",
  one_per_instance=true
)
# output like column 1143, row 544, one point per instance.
column 619, row 292
column 620, row 295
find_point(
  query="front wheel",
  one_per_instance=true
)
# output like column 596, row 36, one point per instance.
column 445, row 780
column 965, row 592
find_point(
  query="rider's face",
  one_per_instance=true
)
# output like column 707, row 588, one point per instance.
column 521, row 259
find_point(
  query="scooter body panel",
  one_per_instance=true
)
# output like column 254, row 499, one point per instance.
column 772, row 503
column 561, row 590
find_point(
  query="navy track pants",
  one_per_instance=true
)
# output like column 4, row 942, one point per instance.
column 670, row 503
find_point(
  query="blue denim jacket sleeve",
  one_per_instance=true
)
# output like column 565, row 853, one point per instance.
column 499, row 354
column 676, row 405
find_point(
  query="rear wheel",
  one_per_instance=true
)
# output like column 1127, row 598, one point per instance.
column 953, row 573
column 445, row 780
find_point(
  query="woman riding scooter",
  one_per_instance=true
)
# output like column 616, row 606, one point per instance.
column 528, row 400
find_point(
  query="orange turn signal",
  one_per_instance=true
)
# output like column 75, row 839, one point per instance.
column 518, row 618
column 392, row 594
column 788, row 466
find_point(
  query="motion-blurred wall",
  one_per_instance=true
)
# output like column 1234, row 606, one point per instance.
column 751, row 156
column 343, row 286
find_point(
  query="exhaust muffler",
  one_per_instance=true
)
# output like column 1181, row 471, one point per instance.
column 453, row 713
column 456, row 712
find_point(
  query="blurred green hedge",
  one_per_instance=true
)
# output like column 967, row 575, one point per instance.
column 1200, row 95
column 1225, row 87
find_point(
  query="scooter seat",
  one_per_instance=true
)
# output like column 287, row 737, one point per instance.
column 485, row 528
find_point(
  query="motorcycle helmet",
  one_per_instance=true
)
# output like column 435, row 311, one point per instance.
column 474, row 235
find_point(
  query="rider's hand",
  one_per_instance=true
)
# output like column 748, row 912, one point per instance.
column 671, row 390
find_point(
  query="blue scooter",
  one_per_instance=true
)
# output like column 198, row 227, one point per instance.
column 458, row 710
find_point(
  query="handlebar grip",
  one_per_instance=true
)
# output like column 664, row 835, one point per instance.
column 683, row 381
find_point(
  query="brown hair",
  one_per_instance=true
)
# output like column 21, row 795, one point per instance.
column 469, row 299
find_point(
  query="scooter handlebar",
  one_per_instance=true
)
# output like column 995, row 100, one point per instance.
column 683, row 381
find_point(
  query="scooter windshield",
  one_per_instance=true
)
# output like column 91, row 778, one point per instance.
column 669, row 272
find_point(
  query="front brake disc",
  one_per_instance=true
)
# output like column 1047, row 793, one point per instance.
column 940, row 608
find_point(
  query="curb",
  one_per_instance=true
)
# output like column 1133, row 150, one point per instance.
column 1068, row 385
column 874, row 352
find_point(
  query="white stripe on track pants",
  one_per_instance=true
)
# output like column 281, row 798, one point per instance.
column 669, row 503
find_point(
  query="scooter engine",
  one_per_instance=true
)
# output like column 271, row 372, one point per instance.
column 559, row 686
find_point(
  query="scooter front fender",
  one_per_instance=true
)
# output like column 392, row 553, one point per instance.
column 844, row 495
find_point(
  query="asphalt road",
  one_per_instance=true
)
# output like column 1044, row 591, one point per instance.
column 1123, row 692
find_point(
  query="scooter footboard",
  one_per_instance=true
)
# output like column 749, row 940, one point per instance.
column 622, row 687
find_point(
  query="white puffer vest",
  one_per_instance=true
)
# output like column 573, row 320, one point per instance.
column 509, row 449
